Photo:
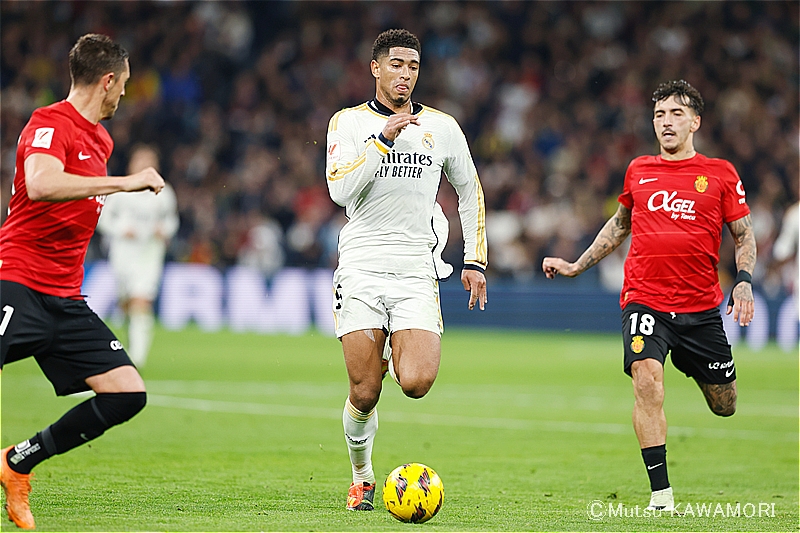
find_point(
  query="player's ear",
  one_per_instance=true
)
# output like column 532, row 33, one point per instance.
column 108, row 80
column 695, row 124
column 375, row 67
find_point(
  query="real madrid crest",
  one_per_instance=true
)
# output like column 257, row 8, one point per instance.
column 427, row 140
column 701, row 183
column 637, row 344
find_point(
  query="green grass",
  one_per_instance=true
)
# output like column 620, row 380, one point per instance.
column 243, row 433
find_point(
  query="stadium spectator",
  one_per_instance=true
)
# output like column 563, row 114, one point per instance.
column 673, row 206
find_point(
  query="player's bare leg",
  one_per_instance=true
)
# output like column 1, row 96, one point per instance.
column 416, row 354
column 649, row 420
column 362, row 356
column 720, row 397
column 650, row 425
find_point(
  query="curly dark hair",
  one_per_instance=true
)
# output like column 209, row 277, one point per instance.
column 93, row 56
column 686, row 94
column 394, row 38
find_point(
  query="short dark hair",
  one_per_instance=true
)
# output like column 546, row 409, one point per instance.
column 93, row 56
column 687, row 95
column 394, row 38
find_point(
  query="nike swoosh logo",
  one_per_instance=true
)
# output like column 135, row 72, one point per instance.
column 642, row 181
column 654, row 466
column 728, row 373
column 83, row 157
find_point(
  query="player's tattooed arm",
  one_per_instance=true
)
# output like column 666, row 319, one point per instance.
column 721, row 398
column 614, row 232
column 745, row 241
column 743, row 307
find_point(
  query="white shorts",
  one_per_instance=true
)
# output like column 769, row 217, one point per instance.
column 371, row 300
column 137, row 269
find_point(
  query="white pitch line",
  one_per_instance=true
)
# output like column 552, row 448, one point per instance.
column 218, row 406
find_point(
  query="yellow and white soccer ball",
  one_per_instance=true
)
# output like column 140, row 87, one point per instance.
column 413, row 493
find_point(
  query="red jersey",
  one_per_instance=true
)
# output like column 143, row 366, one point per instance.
column 43, row 244
column 678, row 209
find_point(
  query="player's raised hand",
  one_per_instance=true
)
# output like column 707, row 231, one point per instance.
column 397, row 123
column 475, row 283
column 743, row 307
column 555, row 265
column 146, row 180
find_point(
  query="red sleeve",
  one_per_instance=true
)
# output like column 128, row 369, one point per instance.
column 734, row 201
column 626, row 198
column 47, row 133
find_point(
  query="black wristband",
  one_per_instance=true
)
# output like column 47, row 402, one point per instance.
column 384, row 140
column 741, row 276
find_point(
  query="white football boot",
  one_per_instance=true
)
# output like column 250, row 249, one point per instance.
column 662, row 500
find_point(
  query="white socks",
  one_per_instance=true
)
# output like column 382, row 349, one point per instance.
column 359, row 433
column 140, row 336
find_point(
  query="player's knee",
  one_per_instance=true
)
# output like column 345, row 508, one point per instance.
column 416, row 386
column 724, row 409
column 365, row 397
column 118, row 407
column 647, row 388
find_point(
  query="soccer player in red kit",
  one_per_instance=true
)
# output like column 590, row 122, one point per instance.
column 674, row 206
column 57, row 195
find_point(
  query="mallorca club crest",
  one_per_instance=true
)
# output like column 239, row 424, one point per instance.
column 701, row 184
column 637, row 344
column 427, row 140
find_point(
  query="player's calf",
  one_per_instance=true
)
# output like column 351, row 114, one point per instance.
column 720, row 397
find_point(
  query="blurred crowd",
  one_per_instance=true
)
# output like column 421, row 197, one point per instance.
column 554, row 98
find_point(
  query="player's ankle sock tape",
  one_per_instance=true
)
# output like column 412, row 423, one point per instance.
column 655, row 459
column 91, row 419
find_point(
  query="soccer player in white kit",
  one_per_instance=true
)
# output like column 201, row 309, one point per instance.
column 137, row 227
column 385, row 161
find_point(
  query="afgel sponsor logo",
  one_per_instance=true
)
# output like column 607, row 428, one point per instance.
column 668, row 201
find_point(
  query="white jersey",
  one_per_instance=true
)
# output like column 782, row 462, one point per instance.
column 140, row 216
column 389, row 189
column 137, row 226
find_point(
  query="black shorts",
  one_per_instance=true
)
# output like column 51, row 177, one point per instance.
column 68, row 340
column 697, row 342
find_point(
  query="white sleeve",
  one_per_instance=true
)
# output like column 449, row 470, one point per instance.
column 168, row 212
column 786, row 244
column 349, row 167
column 462, row 174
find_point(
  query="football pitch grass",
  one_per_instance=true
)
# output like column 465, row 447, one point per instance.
column 528, row 431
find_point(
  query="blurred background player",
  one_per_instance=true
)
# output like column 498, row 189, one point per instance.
column 674, row 206
column 58, row 194
column 137, row 228
column 385, row 160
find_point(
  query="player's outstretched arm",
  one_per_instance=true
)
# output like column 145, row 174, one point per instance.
column 46, row 181
column 742, row 303
column 614, row 233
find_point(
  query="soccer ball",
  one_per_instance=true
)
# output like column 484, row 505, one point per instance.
column 413, row 493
